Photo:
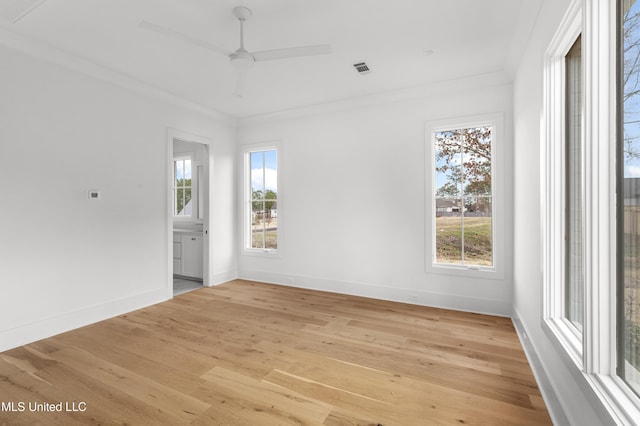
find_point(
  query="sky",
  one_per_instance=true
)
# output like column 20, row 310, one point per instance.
column 187, row 169
column 267, row 160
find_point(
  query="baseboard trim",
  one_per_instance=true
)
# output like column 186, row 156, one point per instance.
column 224, row 277
column 47, row 327
column 549, row 395
column 404, row 295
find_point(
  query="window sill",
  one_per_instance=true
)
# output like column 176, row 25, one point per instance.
column 273, row 254
column 616, row 400
column 491, row 273
column 565, row 340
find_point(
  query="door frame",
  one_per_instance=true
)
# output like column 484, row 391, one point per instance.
column 207, row 264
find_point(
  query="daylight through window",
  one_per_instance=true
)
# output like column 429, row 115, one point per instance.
column 263, row 199
column 463, row 212
column 182, row 184
column 629, row 199
column 574, row 206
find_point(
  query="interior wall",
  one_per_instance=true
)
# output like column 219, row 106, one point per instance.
column 351, row 206
column 528, row 109
column 65, row 260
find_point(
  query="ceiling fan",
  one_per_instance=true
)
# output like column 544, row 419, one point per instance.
column 241, row 59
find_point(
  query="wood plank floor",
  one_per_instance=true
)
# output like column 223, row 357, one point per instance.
column 247, row 353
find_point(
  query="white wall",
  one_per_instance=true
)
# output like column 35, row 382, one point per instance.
column 66, row 261
column 352, row 201
column 572, row 395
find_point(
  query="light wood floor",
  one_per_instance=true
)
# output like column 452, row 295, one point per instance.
column 246, row 353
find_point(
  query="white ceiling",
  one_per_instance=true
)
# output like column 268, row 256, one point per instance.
column 467, row 37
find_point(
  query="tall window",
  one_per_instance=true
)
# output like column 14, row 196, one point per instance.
column 591, row 199
column 463, row 200
column 628, row 231
column 574, row 208
column 262, row 199
column 563, row 188
column 182, row 185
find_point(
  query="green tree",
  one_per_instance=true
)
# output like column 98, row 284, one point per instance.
column 464, row 156
column 270, row 195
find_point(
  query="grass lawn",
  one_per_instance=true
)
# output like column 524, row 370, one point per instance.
column 477, row 240
column 272, row 239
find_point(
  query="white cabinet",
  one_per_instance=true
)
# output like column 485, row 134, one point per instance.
column 192, row 255
column 187, row 254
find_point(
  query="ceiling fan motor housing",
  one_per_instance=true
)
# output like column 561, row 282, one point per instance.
column 242, row 60
column 241, row 12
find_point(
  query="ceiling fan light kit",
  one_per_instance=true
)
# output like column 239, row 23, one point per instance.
column 242, row 59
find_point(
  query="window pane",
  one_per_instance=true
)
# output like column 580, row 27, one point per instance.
column 463, row 185
column 478, row 237
column 186, row 211
column 629, row 205
column 257, row 224
column 263, row 199
column 271, row 170
column 257, row 174
column 271, row 231
column 448, row 162
column 179, row 170
column 448, row 229
column 574, row 283
column 476, row 160
column 179, row 201
column 187, row 171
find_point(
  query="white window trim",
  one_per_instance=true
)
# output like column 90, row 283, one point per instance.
column 594, row 357
column 496, row 121
column 246, row 191
column 194, row 187
column 553, row 184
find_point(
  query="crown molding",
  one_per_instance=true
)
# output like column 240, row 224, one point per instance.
column 44, row 51
column 496, row 78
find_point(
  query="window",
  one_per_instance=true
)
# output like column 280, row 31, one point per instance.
column 590, row 166
column 261, row 207
column 182, row 187
column 628, row 231
column 563, row 186
column 574, row 208
column 462, row 178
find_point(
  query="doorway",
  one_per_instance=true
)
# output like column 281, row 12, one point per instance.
column 190, row 174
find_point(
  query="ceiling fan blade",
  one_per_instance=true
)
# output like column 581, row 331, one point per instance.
column 241, row 78
column 168, row 32
column 291, row 52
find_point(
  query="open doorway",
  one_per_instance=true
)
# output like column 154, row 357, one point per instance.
column 189, row 199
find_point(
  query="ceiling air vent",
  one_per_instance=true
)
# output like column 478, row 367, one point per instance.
column 362, row 68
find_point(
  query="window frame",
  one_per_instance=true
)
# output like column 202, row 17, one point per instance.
column 593, row 360
column 553, row 183
column 194, row 187
column 496, row 121
column 247, row 199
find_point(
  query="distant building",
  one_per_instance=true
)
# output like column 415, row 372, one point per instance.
column 447, row 206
